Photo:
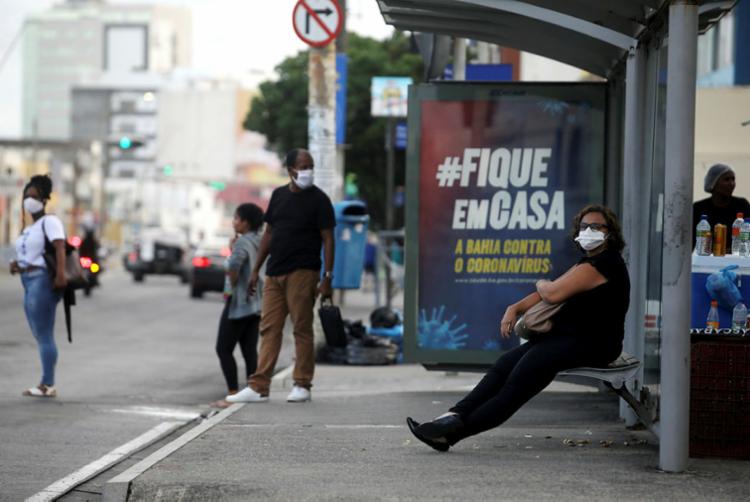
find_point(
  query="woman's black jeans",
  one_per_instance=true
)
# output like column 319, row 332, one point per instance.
column 232, row 331
column 520, row 374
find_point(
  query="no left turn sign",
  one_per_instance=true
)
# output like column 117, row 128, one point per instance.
column 317, row 22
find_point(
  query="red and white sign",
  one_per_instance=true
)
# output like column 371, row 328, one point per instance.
column 317, row 22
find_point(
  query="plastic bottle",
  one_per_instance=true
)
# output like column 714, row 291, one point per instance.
column 739, row 316
column 703, row 237
column 712, row 320
column 745, row 238
column 736, row 229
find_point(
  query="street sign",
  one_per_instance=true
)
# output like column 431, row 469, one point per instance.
column 317, row 22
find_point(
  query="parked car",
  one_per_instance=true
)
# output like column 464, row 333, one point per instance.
column 158, row 251
column 207, row 270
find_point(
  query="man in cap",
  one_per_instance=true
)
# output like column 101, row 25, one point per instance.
column 721, row 207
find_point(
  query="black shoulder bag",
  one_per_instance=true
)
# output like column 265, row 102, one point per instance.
column 73, row 274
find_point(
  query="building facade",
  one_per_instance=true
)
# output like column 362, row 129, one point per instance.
column 81, row 40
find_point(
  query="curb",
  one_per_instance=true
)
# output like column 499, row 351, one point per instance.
column 117, row 489
column 69, row 482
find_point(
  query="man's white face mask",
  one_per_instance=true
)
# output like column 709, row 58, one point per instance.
column 590, row 239
column 32, row 206
column 304, row 179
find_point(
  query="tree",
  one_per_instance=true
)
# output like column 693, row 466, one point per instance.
column 280, row 111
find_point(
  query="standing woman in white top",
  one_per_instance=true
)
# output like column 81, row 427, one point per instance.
column 41, row 292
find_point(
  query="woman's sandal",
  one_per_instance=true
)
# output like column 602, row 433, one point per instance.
column 41, row 391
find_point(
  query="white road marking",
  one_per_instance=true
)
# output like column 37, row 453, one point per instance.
column 156, row 411
column 327, row 426
column 64, row 485
column 281, row 375
column 364, row 426
column 281, row 380
column 116, row 489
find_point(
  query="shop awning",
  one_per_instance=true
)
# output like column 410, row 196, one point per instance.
column 594, row 35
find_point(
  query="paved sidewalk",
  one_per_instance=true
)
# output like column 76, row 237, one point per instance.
column 351, row 443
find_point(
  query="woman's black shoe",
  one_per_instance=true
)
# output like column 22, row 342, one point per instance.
column 441, row 427
column 414, row 425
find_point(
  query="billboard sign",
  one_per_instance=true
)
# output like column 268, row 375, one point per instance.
column 389, row 96
column 495, row 174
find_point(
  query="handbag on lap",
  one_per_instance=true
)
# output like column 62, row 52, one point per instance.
column 537, row 320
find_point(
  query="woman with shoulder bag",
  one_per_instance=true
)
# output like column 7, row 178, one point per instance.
column 241, row 315
column 587, row 330
column 41, row 292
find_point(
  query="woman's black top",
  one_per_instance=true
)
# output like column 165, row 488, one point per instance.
column 599, row 313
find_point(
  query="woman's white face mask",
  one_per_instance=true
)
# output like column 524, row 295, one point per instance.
column 32, row 206
column 590, row 239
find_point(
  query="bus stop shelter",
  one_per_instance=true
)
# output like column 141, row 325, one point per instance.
column 646, row 51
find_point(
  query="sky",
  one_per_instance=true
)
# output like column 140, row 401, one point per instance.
column 235, row 38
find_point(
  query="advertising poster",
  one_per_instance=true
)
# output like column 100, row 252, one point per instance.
column 496, row 174
column 389, row 96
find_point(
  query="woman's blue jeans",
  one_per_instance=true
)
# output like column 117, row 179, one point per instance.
column 40, row 304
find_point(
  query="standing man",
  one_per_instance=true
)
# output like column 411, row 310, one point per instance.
column 299, row 221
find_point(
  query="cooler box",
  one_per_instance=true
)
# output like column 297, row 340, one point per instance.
column 703, row 266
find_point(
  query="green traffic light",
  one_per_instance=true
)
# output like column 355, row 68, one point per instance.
column 125, row 143
column 168, row 170
column 217, row 185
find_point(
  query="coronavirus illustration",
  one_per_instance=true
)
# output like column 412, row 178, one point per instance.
column 436, row 332
column 553, row 107
column 491, row 345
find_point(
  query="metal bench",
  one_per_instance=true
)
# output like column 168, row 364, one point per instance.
column 614, row 377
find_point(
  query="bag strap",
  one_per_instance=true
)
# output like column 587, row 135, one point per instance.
column 69, row 299
column 47, row 242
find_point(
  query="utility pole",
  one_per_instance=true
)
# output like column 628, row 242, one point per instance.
column 321, row 126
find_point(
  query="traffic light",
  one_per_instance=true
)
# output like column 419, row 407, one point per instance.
column 167, row 170
column 217, row 185
column 128, row 143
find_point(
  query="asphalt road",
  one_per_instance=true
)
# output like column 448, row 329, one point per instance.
column 142, row 354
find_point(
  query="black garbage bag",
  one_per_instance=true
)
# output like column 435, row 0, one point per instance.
column 360, row 349
column 354, row 329
column 384, row 317
column 371, row 351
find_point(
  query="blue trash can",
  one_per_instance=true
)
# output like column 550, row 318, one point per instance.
column 351, row 237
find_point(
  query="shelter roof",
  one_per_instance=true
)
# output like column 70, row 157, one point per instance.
column 594, row 35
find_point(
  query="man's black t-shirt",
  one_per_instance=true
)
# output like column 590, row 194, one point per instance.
column 724, row 215
column 296, row 219
column 599, row 314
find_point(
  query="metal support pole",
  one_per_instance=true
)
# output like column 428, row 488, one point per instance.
column 635, row 220
column 459, row 59
column 389, row 181
column 483, row 53
column 676, row 261
column 389, row 173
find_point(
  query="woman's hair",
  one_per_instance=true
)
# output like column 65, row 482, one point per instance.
column 615, row 239
column 250, row 213
column 43, row 185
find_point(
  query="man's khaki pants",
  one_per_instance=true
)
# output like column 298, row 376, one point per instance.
column 294, row 295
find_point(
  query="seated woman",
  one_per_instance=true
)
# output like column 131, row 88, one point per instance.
column 587, row 331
